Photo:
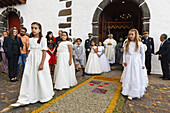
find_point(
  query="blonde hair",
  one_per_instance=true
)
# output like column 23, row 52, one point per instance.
column 136, row 40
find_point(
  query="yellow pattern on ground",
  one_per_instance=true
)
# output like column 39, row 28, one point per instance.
column 102, row 78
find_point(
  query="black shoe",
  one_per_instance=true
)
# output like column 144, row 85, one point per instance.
column 166, row 79
column 16, row 79
column 76, row 70
column 83, row 72
column 148, row 72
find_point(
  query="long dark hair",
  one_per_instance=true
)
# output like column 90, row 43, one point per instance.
column 11, row 33
column 40, row 33
column 66, row 34
column 47, row 36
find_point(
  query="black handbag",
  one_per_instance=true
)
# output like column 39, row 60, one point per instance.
column 0, row 56
column 0, row 53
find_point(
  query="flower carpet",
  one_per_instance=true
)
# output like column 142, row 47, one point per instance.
column 97, row 95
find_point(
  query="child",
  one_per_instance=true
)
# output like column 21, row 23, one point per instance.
column 64, row 73
column 51, row 50
column 102, row 58
column 146, row 75
column 134, row 80
column 79, row 56
column 36, row 82
column 93, row 65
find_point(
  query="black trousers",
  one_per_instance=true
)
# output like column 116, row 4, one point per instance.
column 87, row 55
column 165, row 69
column 169, row 69
column 13, row 65
column 148, row 63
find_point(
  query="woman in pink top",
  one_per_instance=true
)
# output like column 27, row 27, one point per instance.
column 4, row 63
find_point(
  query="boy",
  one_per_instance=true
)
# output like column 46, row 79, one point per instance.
column 79, row 56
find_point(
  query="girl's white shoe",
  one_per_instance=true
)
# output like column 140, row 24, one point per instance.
column 17, row 104
column 129, row 97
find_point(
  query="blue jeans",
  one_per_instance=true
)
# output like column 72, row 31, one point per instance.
column 23, row 58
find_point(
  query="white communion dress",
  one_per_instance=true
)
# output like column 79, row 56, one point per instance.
column 93, row 65
column 146, row 75
column 134, row 79
column 36, row 85
column 64, row 75
column 103, row 60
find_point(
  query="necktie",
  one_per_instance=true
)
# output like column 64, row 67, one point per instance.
column 161, row 44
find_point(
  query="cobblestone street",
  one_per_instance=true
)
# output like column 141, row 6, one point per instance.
column 156, row 99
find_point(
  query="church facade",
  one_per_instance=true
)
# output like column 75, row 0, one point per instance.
column 100, row 17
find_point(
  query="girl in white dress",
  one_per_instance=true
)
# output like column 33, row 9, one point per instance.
column 102, row 58
column 93, row 65
column 134, row 79
column 64, row 73
column 36, row 82
column 146, row 75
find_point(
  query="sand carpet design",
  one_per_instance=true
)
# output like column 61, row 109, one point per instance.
column 96, row 95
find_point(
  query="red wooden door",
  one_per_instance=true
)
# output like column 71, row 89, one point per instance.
column 13, row 21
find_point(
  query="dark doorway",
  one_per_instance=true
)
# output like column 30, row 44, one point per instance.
column 13, row 21
column 118, row 18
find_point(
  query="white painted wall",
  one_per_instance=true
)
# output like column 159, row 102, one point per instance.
column 159, row 23
column 44, row 12
column 82, row 13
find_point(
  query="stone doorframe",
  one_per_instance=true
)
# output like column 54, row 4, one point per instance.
column 3, row 18
column 141, row 3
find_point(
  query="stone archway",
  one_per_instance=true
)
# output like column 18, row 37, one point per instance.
column 141, row 3
column 4, row 21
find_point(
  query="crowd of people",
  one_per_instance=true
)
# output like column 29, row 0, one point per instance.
column 15, row 48
column 45, row 56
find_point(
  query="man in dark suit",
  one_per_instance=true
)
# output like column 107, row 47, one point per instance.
column 149, row 42
column 88, row 45
column 58, row 39
column 164, row 56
